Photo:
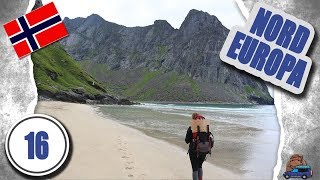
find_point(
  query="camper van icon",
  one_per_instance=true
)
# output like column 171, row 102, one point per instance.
column 303, row 172
column 297, row 167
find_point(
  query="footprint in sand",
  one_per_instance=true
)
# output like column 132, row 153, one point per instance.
column 122, row 146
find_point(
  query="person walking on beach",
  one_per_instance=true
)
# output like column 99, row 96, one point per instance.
column 200, row 142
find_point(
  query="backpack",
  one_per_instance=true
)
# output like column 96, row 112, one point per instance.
column 202, row 137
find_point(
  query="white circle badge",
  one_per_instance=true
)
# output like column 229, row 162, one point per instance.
column 37, row 145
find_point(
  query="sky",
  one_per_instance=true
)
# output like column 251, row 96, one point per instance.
column 144, row 12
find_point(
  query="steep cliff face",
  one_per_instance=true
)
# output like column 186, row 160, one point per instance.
column 160, row 63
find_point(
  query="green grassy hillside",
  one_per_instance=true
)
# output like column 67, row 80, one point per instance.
column 55, row 72
column 144, row 85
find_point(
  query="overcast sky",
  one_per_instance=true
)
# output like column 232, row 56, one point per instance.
column 145, row 12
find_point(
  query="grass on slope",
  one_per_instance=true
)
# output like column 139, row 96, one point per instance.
column 55, row 70
column 143, row 84
column 137, row 87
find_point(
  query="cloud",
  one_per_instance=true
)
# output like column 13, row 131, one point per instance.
column 145, row 12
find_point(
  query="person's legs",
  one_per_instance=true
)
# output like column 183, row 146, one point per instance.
column 201, row 159
column 195, row 165
column 200, row 173
column 195, row 175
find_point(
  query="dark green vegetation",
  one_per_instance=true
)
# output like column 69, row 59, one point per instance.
column 56, row 71
column 58, row 76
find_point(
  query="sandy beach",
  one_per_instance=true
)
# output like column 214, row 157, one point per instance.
column 105, row 149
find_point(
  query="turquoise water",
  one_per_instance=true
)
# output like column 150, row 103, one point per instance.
column 257, row 116
column 245, row 135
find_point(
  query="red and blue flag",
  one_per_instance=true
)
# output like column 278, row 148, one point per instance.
column 35, row 30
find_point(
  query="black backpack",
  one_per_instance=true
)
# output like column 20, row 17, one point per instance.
column 204, row 141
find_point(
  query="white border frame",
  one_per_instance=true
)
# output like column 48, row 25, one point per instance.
column 57, row 166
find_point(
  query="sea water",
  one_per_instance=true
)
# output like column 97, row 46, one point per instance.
column 246, row 136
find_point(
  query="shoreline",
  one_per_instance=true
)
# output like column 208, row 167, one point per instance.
column 196, row 103
column 238, row 135
column 106, row 149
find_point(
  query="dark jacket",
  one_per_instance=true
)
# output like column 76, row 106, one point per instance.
column 189, row 140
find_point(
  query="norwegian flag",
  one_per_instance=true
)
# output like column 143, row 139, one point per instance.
column 35, row 30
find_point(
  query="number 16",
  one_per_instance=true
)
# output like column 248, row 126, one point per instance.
column 41, row 147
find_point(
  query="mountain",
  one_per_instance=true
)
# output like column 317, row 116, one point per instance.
column 37, row 4
column 160, row 63
column 59, row 77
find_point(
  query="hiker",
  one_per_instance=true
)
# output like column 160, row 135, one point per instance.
column 200, row 142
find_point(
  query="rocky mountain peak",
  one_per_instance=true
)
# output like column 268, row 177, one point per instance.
column 37, row 4
column 95, row 18
column 199, row 21
column 195, row 17
column 194, row 12
column 162, row 24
